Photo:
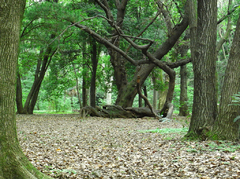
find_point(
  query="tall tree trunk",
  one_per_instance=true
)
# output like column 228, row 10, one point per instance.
column 225, row 128
column 183, row 109
column 19, row 95
column 84, row 78
column 13, row 163
column 77, row 87
column 84, row 90
column 204, row 67
column 94, row 59
column 126, row 96
column 117, row 61
column 155, row 93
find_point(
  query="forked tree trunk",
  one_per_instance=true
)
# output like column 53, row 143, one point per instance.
column 43, row 63
column 13, row 163
column 126, row 96
column 225, row 128
column 204, row 67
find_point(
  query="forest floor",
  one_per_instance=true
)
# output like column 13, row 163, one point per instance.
column 66, row 146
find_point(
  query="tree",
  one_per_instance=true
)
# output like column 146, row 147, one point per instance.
column 224, row 126
column 128, row 90
column 13, row 163
column 94, row 58
column 46, row 52
column 204, row 65
column 206, row 121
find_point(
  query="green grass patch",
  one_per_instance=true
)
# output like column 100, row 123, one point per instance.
column 165, row 130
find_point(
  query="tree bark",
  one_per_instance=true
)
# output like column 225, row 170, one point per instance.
column 183, row 109
column 13, row 163
column 204, row 67
column 128, row 91
column 94, row 59
column 225, row 128
column 84, row 78
column 77, row 87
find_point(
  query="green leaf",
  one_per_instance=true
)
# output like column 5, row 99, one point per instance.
column 236, row 119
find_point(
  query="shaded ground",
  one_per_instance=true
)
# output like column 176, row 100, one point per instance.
column 66, row 146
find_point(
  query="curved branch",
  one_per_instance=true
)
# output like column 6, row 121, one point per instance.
column 108, row 44
column 223, row 38
column 178, row 63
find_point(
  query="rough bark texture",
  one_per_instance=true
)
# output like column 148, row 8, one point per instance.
column 204, row 67
column 13, row 163
column 225, row 128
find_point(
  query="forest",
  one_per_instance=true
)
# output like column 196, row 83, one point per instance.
column 108, row 73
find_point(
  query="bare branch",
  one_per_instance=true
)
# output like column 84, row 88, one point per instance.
column 178, row 63
column 144, row 29
column 108, row 44
column 224, row 37
column 166, row 17
column 228, row 14
column 107, row 10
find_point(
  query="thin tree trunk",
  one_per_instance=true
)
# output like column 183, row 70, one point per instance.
column 19, row 95
column 84, row 91
column 145, row 94
column 41, row 69
column 77, row 87
column 84, row 78
column 155, row 93
column 183, row 109
column 94, row 59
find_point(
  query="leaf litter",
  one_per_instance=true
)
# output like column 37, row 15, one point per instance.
column 67, row 146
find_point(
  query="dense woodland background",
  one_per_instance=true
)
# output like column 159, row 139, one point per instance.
column 119, row 59
column 97, row 53
column 57, row 59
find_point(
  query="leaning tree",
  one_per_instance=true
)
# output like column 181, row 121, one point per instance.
column 127, row 90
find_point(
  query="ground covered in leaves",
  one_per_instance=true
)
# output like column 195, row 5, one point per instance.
column 66, row 146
